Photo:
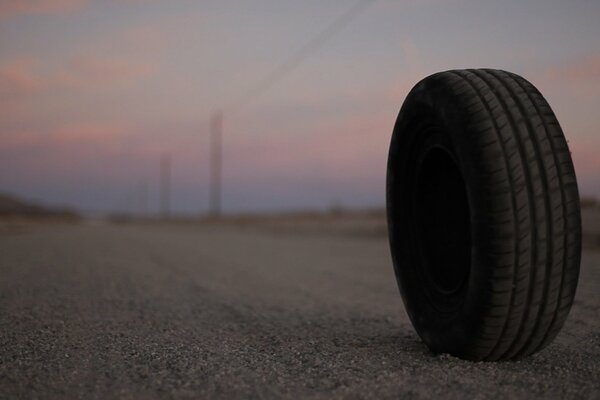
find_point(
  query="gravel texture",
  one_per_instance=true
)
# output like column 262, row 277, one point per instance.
column 208, row 311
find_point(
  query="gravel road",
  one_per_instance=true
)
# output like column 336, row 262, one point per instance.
column 213, row 311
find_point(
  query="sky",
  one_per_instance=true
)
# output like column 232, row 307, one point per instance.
column 93, row 93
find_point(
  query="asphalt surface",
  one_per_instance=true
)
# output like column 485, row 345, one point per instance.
column 201, row 311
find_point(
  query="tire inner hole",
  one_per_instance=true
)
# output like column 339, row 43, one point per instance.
column 443, row 221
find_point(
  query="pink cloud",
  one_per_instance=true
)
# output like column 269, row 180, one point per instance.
column 76, row 139
column 89, row 133
column 580, row 77
column 16, row 7
column 65, row 137
column 353, row 150
column 24, row 76
column 17, row 79
column 91, row 71
column 150, row 37
column 585, row 70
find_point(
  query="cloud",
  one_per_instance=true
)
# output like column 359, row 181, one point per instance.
column 92, row 71
column 581, row 77
column 25, row 77
column 24, row 7
column 18, row 79
column 585, row 70
column 66, row 136
column 351, row 150
column 150, row 37
column 90, row 133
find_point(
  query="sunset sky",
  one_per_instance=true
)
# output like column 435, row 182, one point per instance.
column 93, row 93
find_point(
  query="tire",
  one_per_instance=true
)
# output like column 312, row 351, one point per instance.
column 483, row 215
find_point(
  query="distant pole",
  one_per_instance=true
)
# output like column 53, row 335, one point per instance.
column 143, row 198
column 165, row 186
column 216, row 139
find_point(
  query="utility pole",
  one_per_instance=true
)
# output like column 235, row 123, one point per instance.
column 165, row 186
column 143, row 199
column 216, row 139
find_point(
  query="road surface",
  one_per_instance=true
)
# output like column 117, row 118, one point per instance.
column 225, row 311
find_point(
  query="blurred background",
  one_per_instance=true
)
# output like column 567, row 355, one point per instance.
column 128, row 126
column 143, row 107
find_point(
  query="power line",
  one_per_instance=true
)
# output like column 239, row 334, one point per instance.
column 302, row 54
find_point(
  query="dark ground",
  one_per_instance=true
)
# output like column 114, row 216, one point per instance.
column 225, row 311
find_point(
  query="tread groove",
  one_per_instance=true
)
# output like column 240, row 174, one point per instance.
column 559, row 176
column 512, row 179
column 482, row 74
column 547, row 212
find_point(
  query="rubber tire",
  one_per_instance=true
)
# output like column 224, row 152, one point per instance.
column 483, row 215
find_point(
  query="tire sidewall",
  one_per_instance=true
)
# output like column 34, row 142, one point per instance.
column 433, row 103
